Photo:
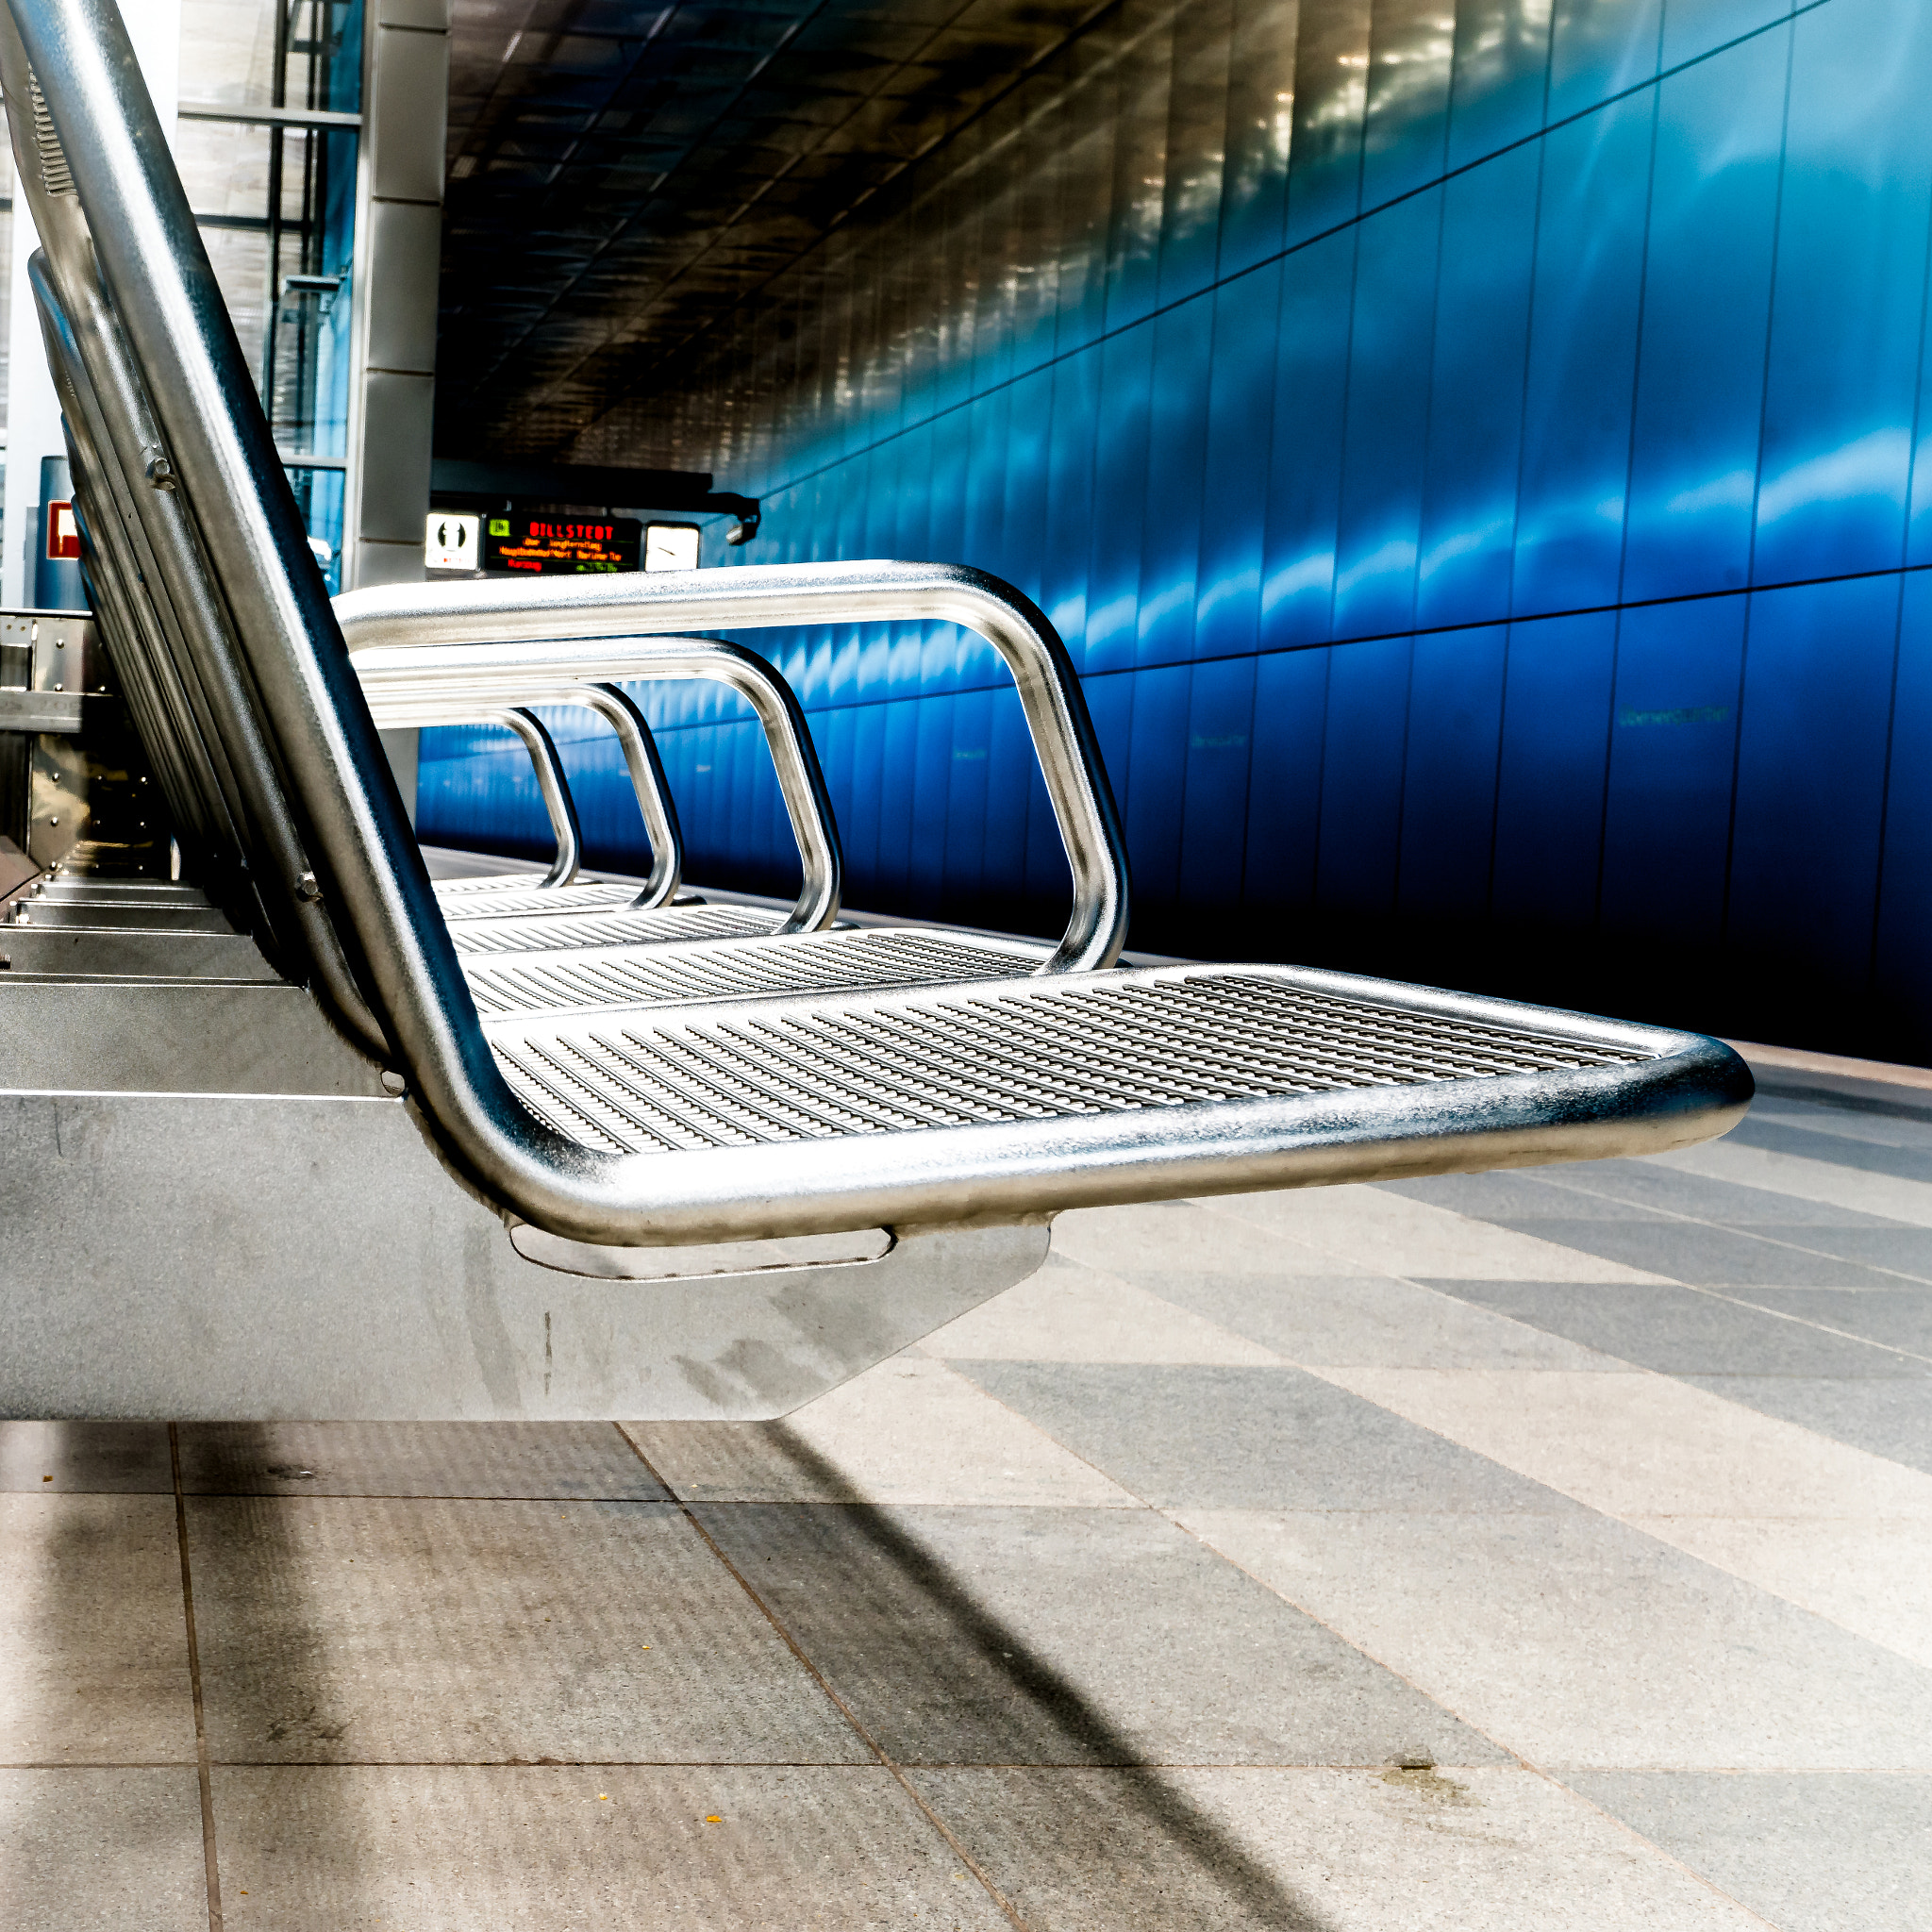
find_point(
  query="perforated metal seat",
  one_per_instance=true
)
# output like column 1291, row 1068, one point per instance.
column 1093, row 1051
column 579, row 978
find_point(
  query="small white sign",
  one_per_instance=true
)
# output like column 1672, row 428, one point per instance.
column 670, row 546
column 450, row 541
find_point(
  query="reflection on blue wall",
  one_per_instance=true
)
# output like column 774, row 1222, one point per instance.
column 1470, row 454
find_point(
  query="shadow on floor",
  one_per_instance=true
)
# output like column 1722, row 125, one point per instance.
column 1131, row 1835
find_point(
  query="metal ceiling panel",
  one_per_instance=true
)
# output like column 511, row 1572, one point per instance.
column 622, row 173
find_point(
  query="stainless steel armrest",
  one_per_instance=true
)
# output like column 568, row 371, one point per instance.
column 641, row 759
column 623, row 611
column 619, row 710
column 577, row 672
column 551, row 785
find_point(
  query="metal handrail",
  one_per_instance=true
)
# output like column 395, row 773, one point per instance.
column 624, row 610
column 441, row 701
column 509, row 672
column 553, row 786
column 619, row 710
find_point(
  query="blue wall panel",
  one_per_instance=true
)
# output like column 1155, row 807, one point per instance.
column 1476, row 394
column 1849, row 293
column 1585, row 306
column 1385, row 441
column 1449, row 784
column 1674, row 737
column 1706, row 297
column 1901, row 937
column 1551, row 770
column 1812, row 756
column 1479, row 457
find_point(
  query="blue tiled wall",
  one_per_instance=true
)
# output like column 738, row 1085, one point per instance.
column 1475, row 468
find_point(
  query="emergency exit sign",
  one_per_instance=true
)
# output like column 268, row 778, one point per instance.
column 560, row 546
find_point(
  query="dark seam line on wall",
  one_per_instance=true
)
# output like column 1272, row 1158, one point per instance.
column 1535, row 251
column 1855, row 576
column 1777, row 231
column 1899, row 623
column 1602, row 818
column 821, row 708
column 1281, row 254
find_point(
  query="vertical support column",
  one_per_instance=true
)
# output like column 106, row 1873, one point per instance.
column 399, row 239
column 33, row 411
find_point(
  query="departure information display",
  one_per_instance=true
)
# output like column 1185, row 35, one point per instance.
column 554, row 546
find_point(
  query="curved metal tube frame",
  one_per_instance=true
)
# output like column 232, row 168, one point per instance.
column 554, row 787
column 626, row 610
column 587, row 676
column 551, row 785
column 441, row 701
column 230, row 505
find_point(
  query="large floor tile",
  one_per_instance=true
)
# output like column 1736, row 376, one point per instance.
column 535, row 1459
column 1890, row 1417
column 1895, row 1318
column 1644, row 1444
column 1684, row 1331
column 1251, row 1439
column 1045, row 1637
column 536, row 1849
column 1509, row 1195
column 1903, row 1252
column 1387, row 1233
column 376, row 1629
column 1871, row 1577
column 1368, row 1319
column 1623, row 1190
column 1490, row 1849
column 1848, row 1853
column 94, row 1666
column 908, row 1430
column 1577, row 1641
column 1699, row 1252
column 1885, row 1124
column 90, row 1850
column 1176, row 1236
column 85, row 1458
column 1804, row 1178
column 1070, row 1313
column 1868, row 1153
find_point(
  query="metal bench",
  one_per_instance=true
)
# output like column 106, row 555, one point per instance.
column 943, row 1123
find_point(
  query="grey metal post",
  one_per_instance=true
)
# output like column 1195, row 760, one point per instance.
column 398, row 251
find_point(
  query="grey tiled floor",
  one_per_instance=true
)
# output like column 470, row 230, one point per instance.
column 1549, row 1548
